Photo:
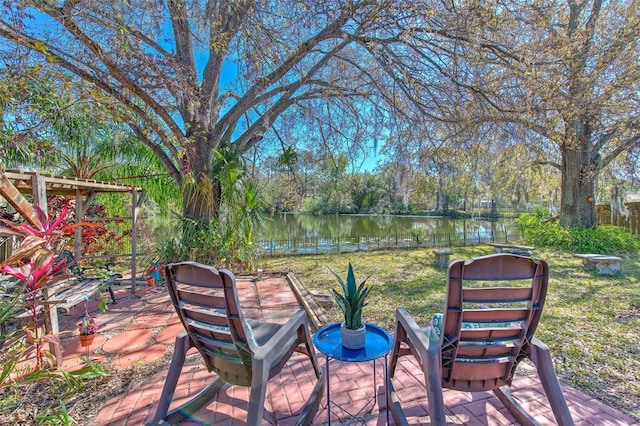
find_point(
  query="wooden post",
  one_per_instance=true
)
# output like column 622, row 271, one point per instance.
column 50, row 311
column 77, row 235
column 39, row 187
column 134, row 243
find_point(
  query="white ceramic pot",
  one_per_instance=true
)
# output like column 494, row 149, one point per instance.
column 353, row 339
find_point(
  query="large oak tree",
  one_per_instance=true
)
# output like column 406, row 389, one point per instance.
column 193, row 77
column 564, row 73
column 567, row 74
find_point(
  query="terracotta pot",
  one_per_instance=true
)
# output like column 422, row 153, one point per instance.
column 86, row 339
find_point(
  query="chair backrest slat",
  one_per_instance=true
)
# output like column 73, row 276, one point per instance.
column 215, row 317
column 493, row 315
column 481, row 356
column 496, row 295
column 213, row 342
column 206, row 301
column 490, row 334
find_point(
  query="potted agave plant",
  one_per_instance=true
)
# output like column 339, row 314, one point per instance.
column 351, row 301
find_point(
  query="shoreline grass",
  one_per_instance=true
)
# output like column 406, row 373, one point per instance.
column 590, row 322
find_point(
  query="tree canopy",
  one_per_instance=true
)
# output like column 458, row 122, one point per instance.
column 191, row 79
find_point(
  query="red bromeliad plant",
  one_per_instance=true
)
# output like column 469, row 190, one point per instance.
column 35, row 265
column 95, row 236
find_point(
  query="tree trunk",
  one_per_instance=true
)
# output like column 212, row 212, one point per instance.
column 440, row 196
column 579, row 171
column 201, row 191
column 201, row 200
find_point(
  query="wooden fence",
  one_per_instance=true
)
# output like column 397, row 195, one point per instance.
column 313, row 245
column 630, row 222
column 6, row 247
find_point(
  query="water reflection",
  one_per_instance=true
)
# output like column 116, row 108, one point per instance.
column 298, row 226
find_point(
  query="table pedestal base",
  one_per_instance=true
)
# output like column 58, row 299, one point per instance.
column 359, row 416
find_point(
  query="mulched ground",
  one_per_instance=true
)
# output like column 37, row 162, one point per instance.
column 24, row 404
column 41, row 401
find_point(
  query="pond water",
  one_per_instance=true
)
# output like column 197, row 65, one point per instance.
column 293, row 226
column 298, row 233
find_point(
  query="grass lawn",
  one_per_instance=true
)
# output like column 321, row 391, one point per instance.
column 590, row 322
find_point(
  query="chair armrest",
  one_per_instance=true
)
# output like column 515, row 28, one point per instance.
column 418, row 336
column 278, row 342
column 428, row 352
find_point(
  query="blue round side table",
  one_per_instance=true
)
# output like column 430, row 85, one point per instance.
column 378, row 343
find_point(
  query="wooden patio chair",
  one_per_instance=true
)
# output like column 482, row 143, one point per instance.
column 493, row 307
column 240, row 352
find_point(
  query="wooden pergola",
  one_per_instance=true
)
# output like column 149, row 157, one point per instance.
column 15, row 183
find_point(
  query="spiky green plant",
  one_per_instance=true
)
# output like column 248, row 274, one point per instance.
column 352, row 299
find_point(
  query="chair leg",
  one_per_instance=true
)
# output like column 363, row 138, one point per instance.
column 113, row 296
column 427, row 352
column 397, row 413
column 175, row 368
column 260, row 378
column 305, row 338
column 163, row 416
column 516, row 410
column 433, row 380
column 310, row 408
column 400, row 336
column 541, row 357
column 201, row 399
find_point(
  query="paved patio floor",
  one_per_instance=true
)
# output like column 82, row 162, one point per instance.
column 143, row 329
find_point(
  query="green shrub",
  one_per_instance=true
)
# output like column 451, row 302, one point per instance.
column 606, row 239
column 601, row 239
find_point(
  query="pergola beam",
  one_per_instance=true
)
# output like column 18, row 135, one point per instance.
column 61, row 185
column 14, row 183
column 19, row 203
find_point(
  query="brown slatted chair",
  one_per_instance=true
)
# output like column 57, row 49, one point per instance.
column 493, row 307
column 241, row 352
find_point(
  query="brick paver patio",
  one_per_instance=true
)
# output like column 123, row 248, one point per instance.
column 140, row 329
